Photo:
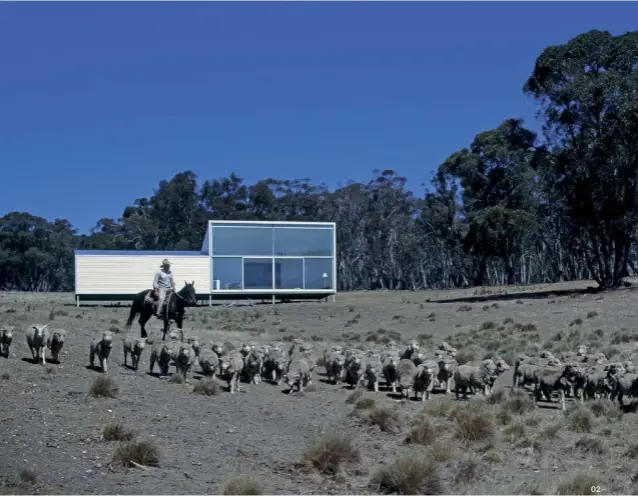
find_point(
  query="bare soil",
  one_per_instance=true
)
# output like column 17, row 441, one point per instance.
column 51, row 428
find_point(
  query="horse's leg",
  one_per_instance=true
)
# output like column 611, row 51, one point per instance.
column 144, row 317
column 165, row 329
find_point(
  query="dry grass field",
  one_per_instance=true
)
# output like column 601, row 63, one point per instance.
column 155, row 436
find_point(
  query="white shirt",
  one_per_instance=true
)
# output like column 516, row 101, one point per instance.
column 163, row 280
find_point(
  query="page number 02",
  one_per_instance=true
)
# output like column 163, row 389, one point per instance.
column 595, row 489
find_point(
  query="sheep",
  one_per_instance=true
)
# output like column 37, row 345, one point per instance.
column 230, row 369
column 253, row 363
column 297, row 374
column 161, row 354
column 209, row 362
column 406, row 371
column 629, row 366
column 245, row 349
column 482, row 376
column 299, row 349
column 55, row 342
column 37, row 336
column 218, row 348
column 591, row 384
column 552, row 379
column 6, row 337
column 275, row 365
column 184, row 358
column 355, row 368
column 335, row 367
column 424, row 379
column 195, row 344
column 445, row 374
column 546, row 354
column 338, row 349
column 626, row 385
column 372, row 371
column 418, row 357
column 449, row 350
column 524, row 373
column 582, row 350
column 101, row 349
column 411, row 349
column 133, row 346
column 390, row 371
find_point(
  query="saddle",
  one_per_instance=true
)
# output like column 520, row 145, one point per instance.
column 151, row 299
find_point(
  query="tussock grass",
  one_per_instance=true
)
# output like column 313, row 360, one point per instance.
column 518, row 403
column 353, row 397
column 135, row 453
column 467, row 469
column 104, row 387
column 387, row 419
column 591, row 444
column 243, row 484
column 364, row 403
column 423, row 433
column 206, row 387
column 604, row 408
column 331, row 451
column 579, row 483
column 473, row 424
column 410, row 473
column 440, row 407
column 115, row 431
column 579, row 419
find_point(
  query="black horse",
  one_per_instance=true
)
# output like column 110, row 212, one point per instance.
column 174, row 306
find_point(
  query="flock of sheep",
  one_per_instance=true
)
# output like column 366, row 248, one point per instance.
column 412, row 372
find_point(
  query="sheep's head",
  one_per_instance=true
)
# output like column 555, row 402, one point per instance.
column 7, row 333
column 582, row 350
column 501, row 366
column 107, row 339
column 217, row 348
column 40, row 329
column 140, row 344
column 413, row 346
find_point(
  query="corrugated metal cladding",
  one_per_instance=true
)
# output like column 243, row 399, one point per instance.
column 122, row 274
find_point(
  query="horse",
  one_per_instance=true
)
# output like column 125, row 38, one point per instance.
column 174, row 306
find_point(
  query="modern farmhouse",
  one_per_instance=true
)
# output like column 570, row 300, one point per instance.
column 238, row 260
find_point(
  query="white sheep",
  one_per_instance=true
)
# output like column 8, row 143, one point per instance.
column 55, row 342
column 161, row 353
column 253, row 364
column 101, row 349
column 406, row 371
column 231, row 366
column 133, row 346
column 390, row 372
column 335, row 367
column 276, row 364
column 37, row 336
column 6, row 337
column 298, row 374
column 424, row 379
column 209, row 362
column 184, row 358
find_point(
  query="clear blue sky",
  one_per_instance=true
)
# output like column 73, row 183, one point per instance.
column 101, row 101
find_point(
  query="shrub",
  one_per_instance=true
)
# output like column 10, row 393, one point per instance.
column 206, row 387
column 104, row 387
column 243, row 484
column 364, row 404
column 410, row 473
column 422, row 433
column 579, row 483
column 117, row 432
column 330, row 451
column 579, row 419
column 353, row 397
column 476, row 424
column 388, row 420
column 136, row 453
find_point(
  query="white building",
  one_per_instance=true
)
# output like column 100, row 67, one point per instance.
column 239, row 259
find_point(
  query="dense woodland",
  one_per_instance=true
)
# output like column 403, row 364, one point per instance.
column 512, row 207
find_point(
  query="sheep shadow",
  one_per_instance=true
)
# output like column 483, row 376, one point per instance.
column 51, row 361
column 94, row 368
column 30, row 360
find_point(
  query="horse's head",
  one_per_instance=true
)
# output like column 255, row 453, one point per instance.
column 188, row 293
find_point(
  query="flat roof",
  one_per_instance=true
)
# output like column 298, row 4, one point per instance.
column 140, row 252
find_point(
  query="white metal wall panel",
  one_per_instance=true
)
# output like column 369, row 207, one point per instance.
column 130, row 274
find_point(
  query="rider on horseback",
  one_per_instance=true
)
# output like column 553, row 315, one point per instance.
column 162, row 282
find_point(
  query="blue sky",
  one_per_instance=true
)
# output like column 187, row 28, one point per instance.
column 101, row 101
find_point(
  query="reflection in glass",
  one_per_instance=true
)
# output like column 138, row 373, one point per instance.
column 289, row 273
column 295, row 242
column 258, row 273
column 228, row 272
column 246, row 241
column 318, row 273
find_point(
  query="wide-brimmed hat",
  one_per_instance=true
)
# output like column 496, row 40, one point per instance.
column 165, row 262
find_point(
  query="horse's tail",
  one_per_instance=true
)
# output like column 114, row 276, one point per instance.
column 131, row 316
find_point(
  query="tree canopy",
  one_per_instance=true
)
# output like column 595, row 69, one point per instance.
column 512, row 207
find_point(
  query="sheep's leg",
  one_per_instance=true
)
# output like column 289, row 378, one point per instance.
column 42, row 355
column 562, row 399
column 273, row 375
column 103, row 365
column 394, row 387
column 376, row 386
column 92, row 359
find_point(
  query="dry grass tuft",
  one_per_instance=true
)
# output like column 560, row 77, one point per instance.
column 550, row 432
column 387, row 419
column 591, row 444
column 579, row 483
column 440, row 407
column 27, row 476
column 579, row 419
column 467, row 469
column 475, row 424
column 353, row 397
column 6, row 376
column 518, row 403
column 176, row 379
column 423, row 432
column 410, row 473
column 604, row 408
column 243, row 484
column 136, row 453
column 364, row 404
column 514, row 433
column 330, row 451
column 206, row 387
column 117, row 432
column 104, row 387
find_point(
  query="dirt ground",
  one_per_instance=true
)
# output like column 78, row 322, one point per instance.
column 51, row 428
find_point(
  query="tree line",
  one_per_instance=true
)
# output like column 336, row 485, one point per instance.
column 514, row 207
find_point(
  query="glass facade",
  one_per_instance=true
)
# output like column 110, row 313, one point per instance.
column 287, row 257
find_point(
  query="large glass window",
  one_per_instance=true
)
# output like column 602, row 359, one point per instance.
column 257, row 273
column 289, row 273
column 296, row 242
column 247, row 241
column 318, row 273
column 228, row 272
